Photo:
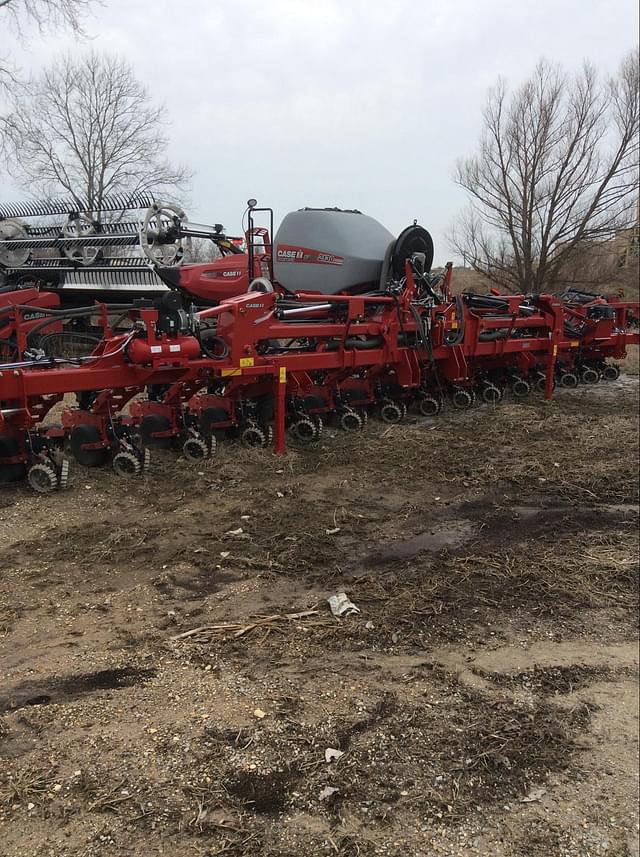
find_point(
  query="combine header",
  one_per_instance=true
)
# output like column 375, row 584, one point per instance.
column 337, row 320
column 127, row 250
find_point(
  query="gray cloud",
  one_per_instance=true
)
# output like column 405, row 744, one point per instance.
column 337, row 102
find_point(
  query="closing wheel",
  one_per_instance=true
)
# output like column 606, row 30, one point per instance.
column 318, row 424
column 146, row 460
column 63, row 478
column 254, row 436
column 589, row 376
column 42, row 478
column 127, row 464
column 430, row 406
column 569, row 380
column 84, row 434
column 351, row 421
column 151, row 426
column 491, row 394
column 611, row 372
column 391, row 412
column 196, row 448
column 462, row 399
column 540, row 382
column 520, row 388
column 304, row 430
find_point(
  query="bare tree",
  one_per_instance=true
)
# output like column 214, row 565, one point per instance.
column 87, row 126
column 46, row 15
column 202, row 250
column 556, row 170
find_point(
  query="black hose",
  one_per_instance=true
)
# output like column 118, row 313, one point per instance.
column 486, row 302
column 60, row 315
column 493, row 335
column 458, row 335
column 352, row 342
column 210, row 354
column 425, row 337
column 70, row 311
column 49, row 321
column 421, row 331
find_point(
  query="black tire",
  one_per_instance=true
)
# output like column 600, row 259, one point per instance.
column 589, row 376
column 521, row 388
column 152, row 424
column 195, row 449
column 611, row 372
column 462, row 400
column 569, row 380
column 541, row 382
column 254, row 436
column 208, row 420
column 351, row 421
column 81, row 435
column 304, row 430
column 10, row 472
column 42, row 478
column 318, row 423
column 430, row 406
column 491, row 394
column 392, row 412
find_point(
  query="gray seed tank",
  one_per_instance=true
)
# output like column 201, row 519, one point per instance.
column 327, row 250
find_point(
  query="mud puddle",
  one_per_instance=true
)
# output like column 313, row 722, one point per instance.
column 58, row 690
column 450, row 535
column 492, row 525
column 604, row 512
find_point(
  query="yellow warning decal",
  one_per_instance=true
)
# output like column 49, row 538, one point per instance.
column 226, row 372
column 246, row 361
column 575, row 343
column 454, row 325
column 283, row 374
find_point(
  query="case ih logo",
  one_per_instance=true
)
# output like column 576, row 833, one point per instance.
column 215, row 274
column 305, row 256
column 31, row 316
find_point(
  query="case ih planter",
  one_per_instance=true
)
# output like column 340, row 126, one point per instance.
column 336, row 321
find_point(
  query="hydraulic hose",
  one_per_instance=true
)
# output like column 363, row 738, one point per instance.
column 224, row 350
column 352, row 342
column 458, row 335
column 80, row 312
column 486, row 302
column 493, row 335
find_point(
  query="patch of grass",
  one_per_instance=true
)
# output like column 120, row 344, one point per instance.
column 26, row 785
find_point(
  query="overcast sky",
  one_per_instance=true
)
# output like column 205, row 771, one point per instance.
column 356, row 103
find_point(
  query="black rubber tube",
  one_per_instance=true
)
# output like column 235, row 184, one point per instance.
column 458, row 336
column 493, row 335
column 207, row 353
column 356, row 344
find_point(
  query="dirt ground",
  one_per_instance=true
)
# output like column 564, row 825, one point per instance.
column 173, row 682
